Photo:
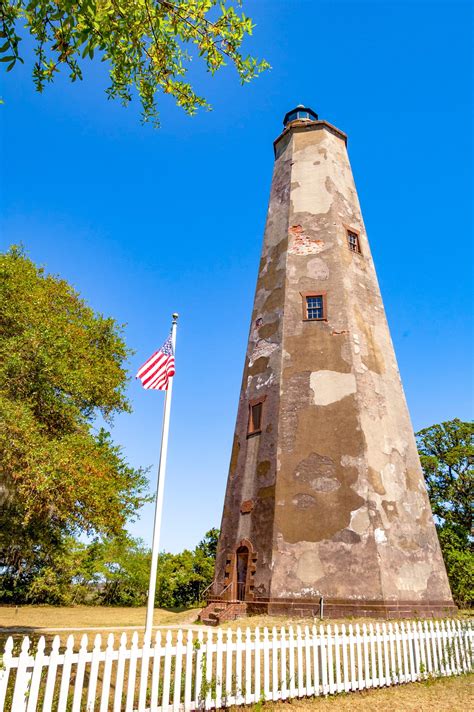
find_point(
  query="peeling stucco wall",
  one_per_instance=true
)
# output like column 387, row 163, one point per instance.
column 339, row 506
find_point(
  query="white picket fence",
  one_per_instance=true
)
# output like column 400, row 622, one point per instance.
column 187, row 671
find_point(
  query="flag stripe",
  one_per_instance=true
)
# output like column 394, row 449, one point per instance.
column 149, row 374
column 158, row 369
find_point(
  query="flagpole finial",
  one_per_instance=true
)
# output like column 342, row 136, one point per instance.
column 175, row 317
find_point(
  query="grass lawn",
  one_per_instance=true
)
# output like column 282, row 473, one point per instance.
column 51, row 620
column 88, row 617
column 77, row 619
column 452, row 694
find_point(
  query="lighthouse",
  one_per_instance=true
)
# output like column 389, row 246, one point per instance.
column 325, row 497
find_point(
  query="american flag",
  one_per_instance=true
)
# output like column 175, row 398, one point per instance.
column 156, row 372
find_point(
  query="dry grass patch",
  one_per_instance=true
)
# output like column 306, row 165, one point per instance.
column 452, row 694
column 38, row 620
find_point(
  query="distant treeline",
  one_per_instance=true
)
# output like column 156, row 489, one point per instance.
column 111, row 572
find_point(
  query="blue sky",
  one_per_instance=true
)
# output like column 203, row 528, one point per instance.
column 144, row 222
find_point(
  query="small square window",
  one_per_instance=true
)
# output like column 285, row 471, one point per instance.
column 255, row 416
column 353, row 241
column 314, row 307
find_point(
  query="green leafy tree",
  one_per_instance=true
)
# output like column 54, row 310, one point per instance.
column 147, row 44
column 447, row 457
column 208, row 545
column 183, row 577
column 122, row 571
column 61, row 366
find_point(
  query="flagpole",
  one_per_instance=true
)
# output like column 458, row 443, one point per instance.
column 159, row 495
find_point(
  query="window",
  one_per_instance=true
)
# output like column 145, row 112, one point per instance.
column 353, row 241
column 255, row 416
column 314, row 306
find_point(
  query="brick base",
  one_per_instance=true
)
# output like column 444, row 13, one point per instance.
column 344, row 608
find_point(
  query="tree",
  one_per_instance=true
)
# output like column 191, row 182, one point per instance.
column 447, row 457
column 182, row 578
column 208, row 545
column 61, row 366
column 146, row 43
column 123, row 571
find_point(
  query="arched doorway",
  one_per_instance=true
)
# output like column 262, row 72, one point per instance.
column 242, row 565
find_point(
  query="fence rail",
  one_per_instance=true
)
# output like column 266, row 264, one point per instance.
column 187, row 671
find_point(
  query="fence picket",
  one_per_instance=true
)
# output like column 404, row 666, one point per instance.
column 307, row 654
column 455, row 654
column 345, row 669
column 36, row 676
column 316, row 651
column 429, row 662
column 209, row 657
column 467, row 640
column 448, row 648
column 393, row 660
column 257, row 668
column 441, row 659
column 239, row 697
column 188, row 682
column 132, row 673
column 228, row 669
column 51, row 677
column 434, row 649
column 386, row 654
column 284, row 685
column 360, row 671
column 452, row 628
column 422, row 650
column 198, row 672
column 219, row 655
column 80, row 671
column 248, row 667
column 143, row 684
column 5, row 671
column 66, row 673
column 406, row 669
column 367, row 681
column 20, row 696
column 353, row 685
column 373, row 664
column 329, row 641
column 380, row 670
column 299, row 661
column 324, row 665
column 275, row 647
column 411, row 657
column 109, row 656
column 398, row 651
column 462, row 649
column 167, row 671
column 417, row 647
column 119, row 676
column 266, row 665
column 177, row 671
column 337, row 659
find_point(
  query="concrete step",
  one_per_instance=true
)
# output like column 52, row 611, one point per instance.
column 210, row 621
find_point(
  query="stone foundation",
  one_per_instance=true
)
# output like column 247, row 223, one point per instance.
column 344, row 608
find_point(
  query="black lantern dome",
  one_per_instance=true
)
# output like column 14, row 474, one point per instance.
column 300, row 112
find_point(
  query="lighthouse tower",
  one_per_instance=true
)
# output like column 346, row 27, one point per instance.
column 325, row 495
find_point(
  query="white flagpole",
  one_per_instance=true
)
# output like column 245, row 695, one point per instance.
column 159, row 495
